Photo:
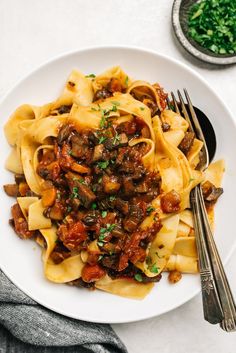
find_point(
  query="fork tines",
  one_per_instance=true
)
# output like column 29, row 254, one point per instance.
column 191, row 118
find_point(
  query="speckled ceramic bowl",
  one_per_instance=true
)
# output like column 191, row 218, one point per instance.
column 180, row 24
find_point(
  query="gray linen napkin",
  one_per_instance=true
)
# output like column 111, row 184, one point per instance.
column 26, row 327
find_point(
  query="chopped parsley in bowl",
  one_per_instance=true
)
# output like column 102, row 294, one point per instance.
column 212, row 24
column 206, row 29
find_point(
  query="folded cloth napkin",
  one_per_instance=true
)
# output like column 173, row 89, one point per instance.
column 26, row 327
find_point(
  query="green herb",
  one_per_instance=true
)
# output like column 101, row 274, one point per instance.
column 75, row 178
column 115, row 103
column 95, row 110
column 100, row 180
column 58, row 195
column 100, row 257
column 100, row 243
column 81, row 181
column 75, row 192
column 141, row 108
column 70, row 152
column 116, row 139
column 150, row 209
column 104, row 231
column 154, row 268
column 212, row 24
column 91, row 76
column 138, row 277
column 102, row 122
column 127, row 81
column 104, row 214
column 191, row 179
column 102, row 139
column 69, row 209
column 102, row 237
column 110, row 227
column 93, row 206
column 112, row 198
column 103, row 165
column 94, row 188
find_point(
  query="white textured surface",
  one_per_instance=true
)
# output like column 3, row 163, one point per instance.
column 33, row 31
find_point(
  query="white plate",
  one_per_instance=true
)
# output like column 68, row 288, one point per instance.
column 21, row 260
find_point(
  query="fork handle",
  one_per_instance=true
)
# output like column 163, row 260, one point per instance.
column 211, row 303
column 224, row 291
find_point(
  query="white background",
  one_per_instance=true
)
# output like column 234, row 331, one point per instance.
column 31, row 32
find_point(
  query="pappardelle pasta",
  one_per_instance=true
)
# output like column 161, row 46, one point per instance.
column 102, row 180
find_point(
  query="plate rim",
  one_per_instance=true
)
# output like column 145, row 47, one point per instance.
column 137, row 49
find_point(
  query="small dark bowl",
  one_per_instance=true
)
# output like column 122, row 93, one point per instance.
column 180, row 12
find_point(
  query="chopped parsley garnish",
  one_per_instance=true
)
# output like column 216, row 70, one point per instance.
column 81, row 181
column 104, row 214
column 91, row 76
column 154, row 268
column 104, row 232
column 212, row 24
column 102, row 139
column 103, row 165
column 110, row 227
column 191, row 179
column 114, row 108
column 116, row 139
column 112, row 198
column 93, row 206
column 142, row 108
column 127, row 81
column 100, row 257
column 115, row 103
column 100, row 180
column 138, row 277
column 58, row 195
column 102, row 122
column 102, row 237
column 75, row 194
column 69, row 209
column 150, row 209
column 70, row 152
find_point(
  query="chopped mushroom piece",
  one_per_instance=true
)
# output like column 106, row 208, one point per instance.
column 187, row 142
column 210, row 192
column 174, row 276
column 98, row 153
column 11, row 189
column 110, row 184
column 86, row 195
column 170, row 202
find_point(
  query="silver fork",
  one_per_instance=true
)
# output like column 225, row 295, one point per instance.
column 218, row 301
